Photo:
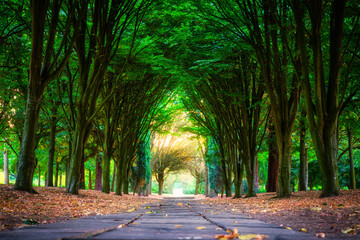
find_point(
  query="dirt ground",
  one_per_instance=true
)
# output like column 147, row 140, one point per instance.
column 332, row 217
column 52, row 204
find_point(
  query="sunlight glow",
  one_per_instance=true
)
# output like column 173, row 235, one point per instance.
column 178, row 192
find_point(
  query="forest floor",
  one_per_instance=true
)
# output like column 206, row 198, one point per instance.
column 332, row 217
column 53, row 204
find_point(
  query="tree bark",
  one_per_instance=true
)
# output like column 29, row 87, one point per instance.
column 160, row 179
column 6, row 167
column 351, row 161
column 197, row 186
column 39, row 179
column 90, row 182
column 207, row 185
column 56, row 173
column 273, row 162
column 106, row 172
column 303, row 171
column 113, row 179
column 60, row 183
column 98, row 184
column 73, row 178
column 82, row 172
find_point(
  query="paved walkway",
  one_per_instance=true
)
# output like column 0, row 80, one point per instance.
column 169, row 219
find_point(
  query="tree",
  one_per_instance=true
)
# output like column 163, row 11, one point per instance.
column 167, row 159
column 45, row 65
column 324, row 99
column 95, row 47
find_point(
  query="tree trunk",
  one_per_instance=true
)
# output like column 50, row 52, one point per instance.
column 39, row 172
column 126, row 184
column 351, row 162
column 56, row 173
column 119, row 178
column 284, row 144
column 113, row 179
column 197, row 185
column 238, row 179
column 60, row 185
column 273, row 162
column 207, row 185
column 90, row 183
column 328, row 163
column 6, row 167
column 106, row 172
column 50, row 171
column 257, row 186
column 98, row 184
column 251, row 182
column 73, row 178
column 27, row 161
column 303, row 172
column 82, row 172
column 161, row 183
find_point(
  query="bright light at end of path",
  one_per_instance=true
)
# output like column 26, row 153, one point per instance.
column 178, row 192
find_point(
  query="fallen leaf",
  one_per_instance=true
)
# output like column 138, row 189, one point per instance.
column 252, row 237
column 178, row 225
column 303, row 230
column 235, row 221
column 349, row 231
column 179, row 204
column 200, row 228
column 232, row 235
column 288, row 228
column 320, row 235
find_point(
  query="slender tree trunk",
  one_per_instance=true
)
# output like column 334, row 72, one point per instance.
column 303, row 172
column 56, row 173
column 273, row 162
column 50, row 175
column 126, row 184
column 73, row 178
column 60, row 185
column 328, row 164
column 27, row 161
column 257, row 186
column 98, row 184
column 238, row 180
column 106, row 172
column 251, row 182
column 149, row 191
column 39, row 172
column 351, row 161
column 113, row 179
column 90, row 182
column 207, row 185
column 6, row 167
column 161, row 183
column 119, row 178
column 197, row 185
column 284, row 186
column 82, row 172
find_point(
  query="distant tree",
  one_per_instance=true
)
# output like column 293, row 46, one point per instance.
column 168, row 156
